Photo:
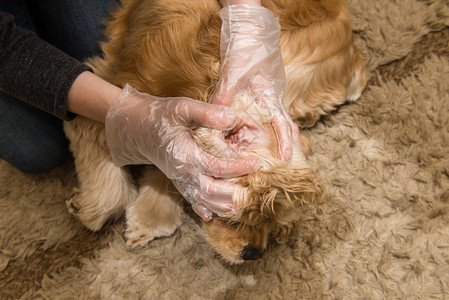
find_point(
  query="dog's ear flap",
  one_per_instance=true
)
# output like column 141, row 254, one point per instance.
column 297, row 187
column 277, row 195
column 281, row 232
column 256, row 199
column 302, row 187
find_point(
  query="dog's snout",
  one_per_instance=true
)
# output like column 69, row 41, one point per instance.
column 252, row 253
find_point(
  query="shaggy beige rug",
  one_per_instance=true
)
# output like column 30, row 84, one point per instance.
column 383, row 232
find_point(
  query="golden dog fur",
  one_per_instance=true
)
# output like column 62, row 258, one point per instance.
column 171, row 48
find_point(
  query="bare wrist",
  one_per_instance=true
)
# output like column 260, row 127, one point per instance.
column 91, row 96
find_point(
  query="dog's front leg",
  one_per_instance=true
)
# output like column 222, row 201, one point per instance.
column 104, row 189
column 156, row 212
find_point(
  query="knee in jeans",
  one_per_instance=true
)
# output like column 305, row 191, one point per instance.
column 31, row 140
column 38, row 163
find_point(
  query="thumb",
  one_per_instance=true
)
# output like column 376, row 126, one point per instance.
column 196, row 113
column 224, row 93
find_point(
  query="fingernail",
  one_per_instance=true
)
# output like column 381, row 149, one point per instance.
column 206, row 216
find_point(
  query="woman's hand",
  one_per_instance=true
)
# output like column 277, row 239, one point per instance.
column 251, row 61
column 143, row 129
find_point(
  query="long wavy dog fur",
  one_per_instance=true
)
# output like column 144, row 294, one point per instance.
column 171, row 48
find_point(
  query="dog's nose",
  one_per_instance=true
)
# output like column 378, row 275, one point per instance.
column 251, row 253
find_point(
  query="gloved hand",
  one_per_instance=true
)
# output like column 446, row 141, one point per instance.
column 252, row 62
column 143, row 129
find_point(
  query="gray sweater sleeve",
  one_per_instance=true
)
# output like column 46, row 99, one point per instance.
column 34, row 71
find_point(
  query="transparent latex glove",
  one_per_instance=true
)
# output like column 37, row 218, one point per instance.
column 252, row 62
column 143, row 129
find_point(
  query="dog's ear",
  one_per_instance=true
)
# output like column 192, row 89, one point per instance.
column 295, row 187
column 277, row 195
column 298, row 188
column 281, row 232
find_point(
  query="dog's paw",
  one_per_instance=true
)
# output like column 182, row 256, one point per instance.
column 139, row 234
column 90, row 216
column 71, row 204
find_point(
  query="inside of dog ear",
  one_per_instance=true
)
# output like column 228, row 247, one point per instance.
column 253, row 134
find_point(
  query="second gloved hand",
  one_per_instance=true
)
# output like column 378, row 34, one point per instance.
column 252, row 62
column 143, row 129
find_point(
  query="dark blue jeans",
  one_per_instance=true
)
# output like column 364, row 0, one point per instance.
column 30, row 139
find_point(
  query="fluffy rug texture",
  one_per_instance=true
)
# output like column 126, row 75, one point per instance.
column 382, row 233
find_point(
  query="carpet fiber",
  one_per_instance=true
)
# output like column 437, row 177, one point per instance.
column 382, row 233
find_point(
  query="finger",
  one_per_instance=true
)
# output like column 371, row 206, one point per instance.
column 196, row 113
column 225, row 168
column 218, row 190
column 296, row 137
column 216, row 208
column 228, row 85
column 190, row 191
column 283, row 131
column 204, row 213
column 224, row 94
column 210, row 195
column 216, row 195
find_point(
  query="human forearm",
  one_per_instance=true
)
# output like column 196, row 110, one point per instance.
column 34, row 71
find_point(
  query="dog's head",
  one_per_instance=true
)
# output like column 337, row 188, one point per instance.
column 268, row 201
